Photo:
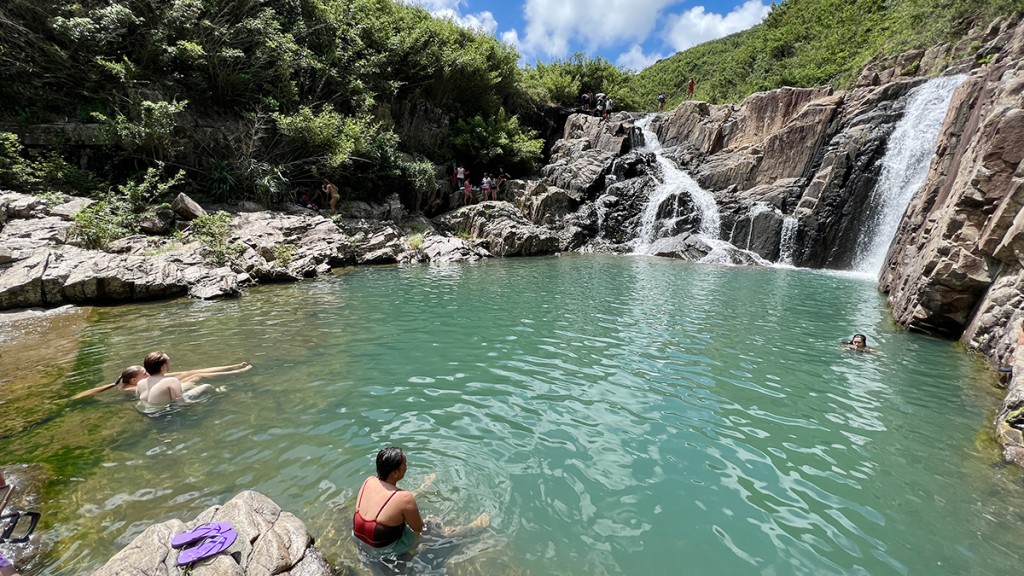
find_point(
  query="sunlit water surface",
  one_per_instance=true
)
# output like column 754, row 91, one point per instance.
column 613, row 415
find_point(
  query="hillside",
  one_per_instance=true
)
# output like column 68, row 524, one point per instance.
column 805, row 43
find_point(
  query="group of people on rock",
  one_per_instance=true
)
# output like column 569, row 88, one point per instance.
column 600, row 104
column 490, row 186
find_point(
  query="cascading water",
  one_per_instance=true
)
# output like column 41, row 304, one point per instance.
column 673, row 182
column 787, row 241
column 904, row 169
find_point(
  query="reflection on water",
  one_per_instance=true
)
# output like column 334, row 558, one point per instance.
column 611, row 414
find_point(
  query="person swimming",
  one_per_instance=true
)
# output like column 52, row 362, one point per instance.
column 859, row 343
column 160, row 387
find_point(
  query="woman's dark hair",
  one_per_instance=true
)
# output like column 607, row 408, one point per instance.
column 155, row 361
column 861, row 336
column 388, row 460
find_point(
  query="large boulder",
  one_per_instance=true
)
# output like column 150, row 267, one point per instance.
column 270, row 541
column 506, row 231
column 187, row 208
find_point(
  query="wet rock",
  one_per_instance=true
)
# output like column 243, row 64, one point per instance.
column 270, row 541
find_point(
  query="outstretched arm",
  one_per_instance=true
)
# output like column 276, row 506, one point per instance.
column 214, row 371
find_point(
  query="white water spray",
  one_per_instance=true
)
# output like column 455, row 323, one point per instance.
column 904, row 169
column 673, row 182
column 787, row 242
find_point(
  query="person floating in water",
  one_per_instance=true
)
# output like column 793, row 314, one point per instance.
column 159, row 387
column 859, row 342
column 388, row 518
column 131, row 375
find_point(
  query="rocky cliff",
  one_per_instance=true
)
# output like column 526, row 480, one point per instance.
column 801, row 164
column 956, row 267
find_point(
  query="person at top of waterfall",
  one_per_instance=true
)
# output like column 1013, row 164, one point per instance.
column 467, row 194
column 690, row 87
column 388, row 518
column 661, row 102
column 485, row 187
column 859, row 343
column 585, row 101
column 460, row 176
column 159, row 388
column 608, row 107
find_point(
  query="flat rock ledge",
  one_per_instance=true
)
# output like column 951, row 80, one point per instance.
column 42, row 265
column 270, row 541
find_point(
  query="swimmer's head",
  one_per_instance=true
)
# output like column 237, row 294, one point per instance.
column 388, row 460
column 859, row 341
column 131, row 375
column 155, row 361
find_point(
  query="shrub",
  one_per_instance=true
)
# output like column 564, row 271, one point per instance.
column 415, row 241
column 116, row 213
column 213, row 231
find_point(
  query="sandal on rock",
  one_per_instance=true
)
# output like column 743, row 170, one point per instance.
column 199, row 533
column 209, row 547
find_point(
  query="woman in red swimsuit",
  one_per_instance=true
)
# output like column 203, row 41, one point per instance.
column 383, row 510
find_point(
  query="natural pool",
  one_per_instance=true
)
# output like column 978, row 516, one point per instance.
column 614, row 415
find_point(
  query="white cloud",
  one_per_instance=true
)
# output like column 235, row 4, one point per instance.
column 449, row 9
column 552, row 25
column 695, row 26
column 483, row 21
column 635, row 59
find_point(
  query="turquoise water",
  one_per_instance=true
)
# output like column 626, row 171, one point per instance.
column 613, row 415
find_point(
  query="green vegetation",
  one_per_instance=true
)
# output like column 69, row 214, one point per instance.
column 811, row 43
column 117, row 213
column 214, row 232
column 260, row 100
column 415, row 241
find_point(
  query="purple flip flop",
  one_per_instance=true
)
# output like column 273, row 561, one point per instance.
column 213, row 545
column 199, row 533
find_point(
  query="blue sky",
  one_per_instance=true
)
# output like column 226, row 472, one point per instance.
column 631, row 33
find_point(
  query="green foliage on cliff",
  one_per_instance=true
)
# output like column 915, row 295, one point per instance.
column 810, row 43
column 259, row 99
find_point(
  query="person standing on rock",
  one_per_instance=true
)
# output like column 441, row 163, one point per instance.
column 468, row 190
column 332, row 194
column 690, row 87
column 661, row 102
column 460, row 177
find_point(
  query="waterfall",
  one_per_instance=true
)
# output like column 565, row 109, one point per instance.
column 673, row 182
column 787, row 240
column 904, row 169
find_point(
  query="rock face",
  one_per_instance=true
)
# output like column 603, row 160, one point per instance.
column 956, row 267
column 270, row 541
column 504, row 229
column 41, row 266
